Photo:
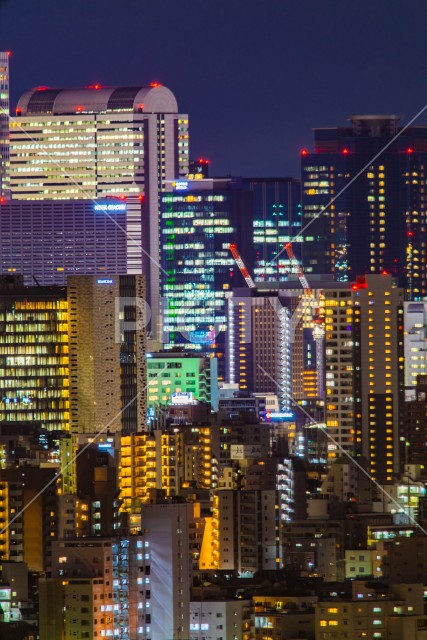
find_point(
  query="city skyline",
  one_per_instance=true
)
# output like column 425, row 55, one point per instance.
column 287, row 69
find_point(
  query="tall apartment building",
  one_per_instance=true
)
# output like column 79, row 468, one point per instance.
column 416, row 425
column 259, row 343
column 245, row 533
column 48, row 240
column 4, row 125
column 167, row 533
column 380, row 426
column 149, row 462
column 100, row 141
column 364, row 372
column 34, row 357
column 29, row 515
column 377, row 221
column 98, row 589
column 107, row 353
column 415, row 344
column 199, row 220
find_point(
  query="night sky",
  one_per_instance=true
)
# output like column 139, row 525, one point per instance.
column 255, row 75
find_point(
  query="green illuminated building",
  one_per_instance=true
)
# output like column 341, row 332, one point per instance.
column 180, row 373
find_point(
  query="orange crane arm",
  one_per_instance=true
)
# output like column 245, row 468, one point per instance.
column 243, row 270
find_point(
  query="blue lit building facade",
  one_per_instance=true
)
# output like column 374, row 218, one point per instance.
column 199, row 220
column 372, row 184
column 47, row 241
column 276, row 219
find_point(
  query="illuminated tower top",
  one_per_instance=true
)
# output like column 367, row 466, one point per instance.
column 4, row 124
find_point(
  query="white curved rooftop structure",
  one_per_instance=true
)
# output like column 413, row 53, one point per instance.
column 153, row 98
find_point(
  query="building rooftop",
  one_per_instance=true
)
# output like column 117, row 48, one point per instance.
column 152, row 98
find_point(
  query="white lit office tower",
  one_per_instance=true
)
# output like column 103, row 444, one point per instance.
column 415, row 344
column 4, row 125
column 96, row 142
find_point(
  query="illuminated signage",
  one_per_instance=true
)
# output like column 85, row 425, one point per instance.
column 105, row 281
column 279, row 415
column 181, row 185
column 110, row 207
column 183, row 398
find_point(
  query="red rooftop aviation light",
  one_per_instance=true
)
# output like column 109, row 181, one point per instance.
column 345, row 151
column 155, row 84
column 409, row 150
column 95, row 86
column 79, row 108
column 304, row 152
column 203, row 161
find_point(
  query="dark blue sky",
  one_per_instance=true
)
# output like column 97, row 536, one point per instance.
column 255, row 75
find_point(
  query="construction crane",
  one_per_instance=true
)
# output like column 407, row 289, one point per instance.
column 317, row 320
column 243, row 270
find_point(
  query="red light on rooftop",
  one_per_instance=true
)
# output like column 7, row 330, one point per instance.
column 79, row 108
column 95, row 86
column 18, row 111
column 409, row 150
column 345, row 151
column 141, row 106
column 9, row 53
column 410, row 234
column 203, row 161
column 304, row 152
column 155, row 84
column 43, row 88
column 384, row 273
column 140, row 197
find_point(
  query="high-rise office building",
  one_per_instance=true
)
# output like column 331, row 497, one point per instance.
column 4, row 125
column 100, row 141
column 47, row 241
column 276, row 219
column 199, row 220
column 377, row 220
column 34, row 355
column 415, row 343
column 107, row 342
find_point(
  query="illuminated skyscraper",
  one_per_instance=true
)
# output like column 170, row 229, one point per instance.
column 276, row 219
column 100, row 141
column 34, row 355
column 199, row 220
column 107, row 353
column 4, row 124
column 47, row 241
column 377, row 220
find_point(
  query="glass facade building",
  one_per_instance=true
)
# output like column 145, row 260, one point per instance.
column 199, row 220
column 276, row 219
column 34, row 356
